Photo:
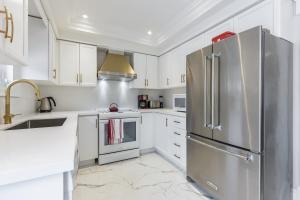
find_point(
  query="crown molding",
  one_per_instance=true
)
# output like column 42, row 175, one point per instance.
column 190, row 14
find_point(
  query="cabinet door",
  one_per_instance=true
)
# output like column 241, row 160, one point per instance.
column 152, row 74
column 88, row 65
column 147, row 133
column 140, row 67
column 226, row 26
column 15, row 48
column 53, row 69
column 164, row 65
column 161, row 133
column 88, row 137
column 69, row 63
column 262, row 14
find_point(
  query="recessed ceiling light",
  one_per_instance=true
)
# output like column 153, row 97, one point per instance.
column 85, row 16
column 149, row 32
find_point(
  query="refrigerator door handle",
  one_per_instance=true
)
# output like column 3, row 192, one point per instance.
column 243, row 157
column 215, row 125
column 212, row 90
column 205, row 90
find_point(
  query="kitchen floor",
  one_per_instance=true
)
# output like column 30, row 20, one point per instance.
column 149, row 177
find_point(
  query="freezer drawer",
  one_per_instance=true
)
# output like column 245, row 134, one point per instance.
column 227, row 173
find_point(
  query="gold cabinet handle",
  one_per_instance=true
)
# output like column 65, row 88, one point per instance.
column 183, row 76
column 80, row 77
column 12, row 28
column 5, row 12
column 77, row 78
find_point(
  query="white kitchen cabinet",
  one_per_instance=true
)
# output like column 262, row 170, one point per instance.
column 146, row 67
column 261, row 14
column 152, row 74
column 88, row 137
column 69, row 63
column 140, row 68
column 78, row 64
column 177, row 141
column 147, row 131
column 161, row 134
column 53, row 64
column 88, row 65
column 165, row 71
column 13, row 47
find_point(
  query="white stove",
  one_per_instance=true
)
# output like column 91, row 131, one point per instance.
column 122, row 113
column 119, row 135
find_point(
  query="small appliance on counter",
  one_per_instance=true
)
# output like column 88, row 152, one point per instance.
column 161, row 101
column 113, row 107
column 179, row 102
column 153, row 104
column 142, row 101
column 46, row 105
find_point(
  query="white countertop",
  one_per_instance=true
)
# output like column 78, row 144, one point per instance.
column 32, row 153
column 164, row 111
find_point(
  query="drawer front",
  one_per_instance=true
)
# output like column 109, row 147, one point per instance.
column 179, row 122
column 178, row 145
column 222, row 170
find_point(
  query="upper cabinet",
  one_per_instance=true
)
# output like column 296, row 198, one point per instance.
column 42, row 66
column 146, row 67
column 14, row 32
column 77, row 64
column 88, row 65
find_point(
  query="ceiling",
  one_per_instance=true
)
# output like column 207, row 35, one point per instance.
column 130, row 20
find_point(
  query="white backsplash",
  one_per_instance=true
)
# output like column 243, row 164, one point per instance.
column 23, row 100
column 106, row 92
column 88, row 98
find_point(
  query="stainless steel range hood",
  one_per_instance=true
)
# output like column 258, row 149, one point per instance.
column 116, row 67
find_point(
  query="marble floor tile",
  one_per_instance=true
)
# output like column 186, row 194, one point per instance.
column 149, row 177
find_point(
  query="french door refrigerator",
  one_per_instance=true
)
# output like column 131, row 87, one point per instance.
column 239, row 117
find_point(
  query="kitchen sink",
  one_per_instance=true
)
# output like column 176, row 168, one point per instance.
column 39, row 123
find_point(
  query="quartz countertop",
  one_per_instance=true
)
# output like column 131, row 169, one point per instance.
column 32, row 153
column 164, row 111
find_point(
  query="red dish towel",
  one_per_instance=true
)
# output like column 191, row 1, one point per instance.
column 115, row 131
column 110, row 131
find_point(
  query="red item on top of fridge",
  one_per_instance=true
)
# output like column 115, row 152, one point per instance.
column 222, row 36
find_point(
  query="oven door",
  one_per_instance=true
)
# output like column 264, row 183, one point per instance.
column 131, row 129
column 225, row 172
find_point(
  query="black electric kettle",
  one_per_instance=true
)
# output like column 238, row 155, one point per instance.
column 46, row 105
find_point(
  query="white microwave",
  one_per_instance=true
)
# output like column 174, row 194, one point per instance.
column 179, row 102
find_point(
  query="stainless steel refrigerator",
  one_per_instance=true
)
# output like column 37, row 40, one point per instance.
column 239, row 117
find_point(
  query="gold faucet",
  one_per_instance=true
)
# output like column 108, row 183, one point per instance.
column 8, row 116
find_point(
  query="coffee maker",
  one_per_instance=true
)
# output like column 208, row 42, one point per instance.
column 143, row 101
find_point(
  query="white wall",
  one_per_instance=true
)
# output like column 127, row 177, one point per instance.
column 290, row 29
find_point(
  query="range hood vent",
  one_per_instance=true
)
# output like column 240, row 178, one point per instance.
column 116, row 67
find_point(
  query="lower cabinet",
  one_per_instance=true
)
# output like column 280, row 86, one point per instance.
column 88, row 137
column 147, row 136
column 167, row 134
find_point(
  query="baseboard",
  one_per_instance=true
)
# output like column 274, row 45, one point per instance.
column 145, row 151
column 296, row 193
